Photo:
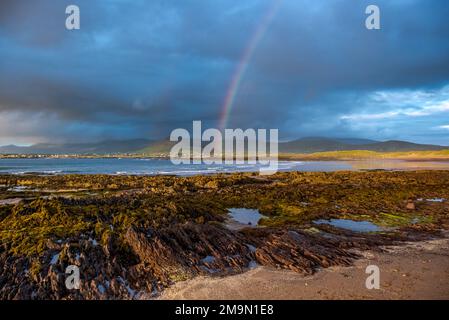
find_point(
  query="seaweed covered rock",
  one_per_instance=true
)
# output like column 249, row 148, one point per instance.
column 133, row 236
column 181, row 251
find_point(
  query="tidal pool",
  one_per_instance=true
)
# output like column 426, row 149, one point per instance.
column 243, row 218
column 356, row 226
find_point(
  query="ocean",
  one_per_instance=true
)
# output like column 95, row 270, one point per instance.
column 126, row 166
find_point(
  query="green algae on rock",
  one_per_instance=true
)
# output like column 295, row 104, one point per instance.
column 135, row 235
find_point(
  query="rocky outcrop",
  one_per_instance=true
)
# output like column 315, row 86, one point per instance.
column 189, row 249
column 151, row 232
column 155, row 259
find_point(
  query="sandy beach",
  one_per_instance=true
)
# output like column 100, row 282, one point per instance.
column 414, row 271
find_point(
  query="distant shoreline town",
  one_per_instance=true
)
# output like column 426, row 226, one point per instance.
column 312, row 148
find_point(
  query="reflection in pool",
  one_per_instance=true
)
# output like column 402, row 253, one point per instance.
column 356, row 226
column 243, row 218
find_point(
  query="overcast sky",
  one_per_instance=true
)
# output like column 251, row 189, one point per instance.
column 140, row 68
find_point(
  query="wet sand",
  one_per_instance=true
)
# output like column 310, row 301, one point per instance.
column 414, row 271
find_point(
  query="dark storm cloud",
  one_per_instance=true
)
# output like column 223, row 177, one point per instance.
column 141, row 68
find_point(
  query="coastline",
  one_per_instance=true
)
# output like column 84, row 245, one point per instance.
column 134, row 237
column 413, row 271
column 162, row 166
column 343, row 155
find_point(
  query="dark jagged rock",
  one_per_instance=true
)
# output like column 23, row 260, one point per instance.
column 138, row 235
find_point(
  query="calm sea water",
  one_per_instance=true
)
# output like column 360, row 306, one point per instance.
column 164, row 166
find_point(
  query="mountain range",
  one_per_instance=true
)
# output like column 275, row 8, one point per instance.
column 319, row 144
column 162, row 147
column 103, row 147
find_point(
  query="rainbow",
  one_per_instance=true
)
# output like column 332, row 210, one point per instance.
column 244, row 63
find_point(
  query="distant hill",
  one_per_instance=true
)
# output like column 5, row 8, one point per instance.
column 312, row 145
column 162, row 147
column 356, row 141
column 104, row 147
column 320, row 144
column 157, row 148
column 395, row 145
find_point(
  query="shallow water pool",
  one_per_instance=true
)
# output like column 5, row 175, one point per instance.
column 243, row 218
column 356, row 226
